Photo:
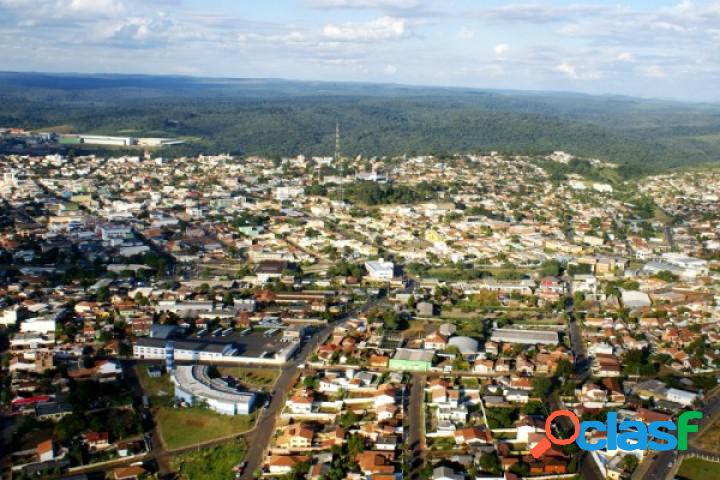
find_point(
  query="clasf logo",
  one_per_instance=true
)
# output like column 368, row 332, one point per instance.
column 626, row 435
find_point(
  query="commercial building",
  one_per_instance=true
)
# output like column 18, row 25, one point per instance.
column 527, row 337
column 412, row 359
column 146, row 347
column 380, row 270
column 193, row 385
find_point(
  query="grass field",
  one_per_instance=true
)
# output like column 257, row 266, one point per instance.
column 696, row 469
column 181, row 427
column 710, row 439
column 210, row 463
column 154, row 386
column 260, row 377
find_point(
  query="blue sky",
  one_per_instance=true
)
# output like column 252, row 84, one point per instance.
column 647, row 48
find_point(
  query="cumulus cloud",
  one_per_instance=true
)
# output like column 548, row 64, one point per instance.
column 390, row 69
column 625, row 57
column 383, row 28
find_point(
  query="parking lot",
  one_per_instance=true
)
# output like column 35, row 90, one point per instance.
column 252, row 344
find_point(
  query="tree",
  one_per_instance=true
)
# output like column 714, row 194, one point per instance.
column 541, row 386
column 564, row 368
column 411, row 302
column 550, row 268
column 630, row 463
column 490, row 463
column 356, row 445
column 228, row 299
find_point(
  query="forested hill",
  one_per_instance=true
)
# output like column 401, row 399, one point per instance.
column 279, row 117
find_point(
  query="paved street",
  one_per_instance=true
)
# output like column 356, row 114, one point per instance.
column 416, row 422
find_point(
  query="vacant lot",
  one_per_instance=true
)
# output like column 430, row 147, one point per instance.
column 210, row 463
column 181, row 427
column 710, row 439
column 696, row 469
column 154, row 386
column 254, row 377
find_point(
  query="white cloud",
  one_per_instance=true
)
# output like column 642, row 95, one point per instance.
column 625, row 57
column 89, row 7
column 501, row 49
column 465, row 33
column 568, row 70
column 390, row 69
column 383, row 28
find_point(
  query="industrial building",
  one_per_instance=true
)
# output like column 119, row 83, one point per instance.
column 527, row 337
column 193, row 385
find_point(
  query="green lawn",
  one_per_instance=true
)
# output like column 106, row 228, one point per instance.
column 154, row 386
column 210, row 463
column 696, row 469
column 180, row 427
column 263, row 377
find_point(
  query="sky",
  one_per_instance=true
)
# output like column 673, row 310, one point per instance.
column 667, row 49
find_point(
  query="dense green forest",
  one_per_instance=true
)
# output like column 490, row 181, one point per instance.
column 277, row 117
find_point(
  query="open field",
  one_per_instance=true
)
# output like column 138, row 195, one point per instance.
column 696, row 469
column 710, row 439
column 181, row 427
column 210, row 463
column 260, row 377
column 154, row 386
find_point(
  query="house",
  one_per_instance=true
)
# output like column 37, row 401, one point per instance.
column 296, row 436
column 472, row 436
column 484, row 366
column 283, row 464
column 45, row 451
column 302, row 401
column 267, row 270
column 378, row 361
column 435, row 341
column 376, row 462
column 97, row 440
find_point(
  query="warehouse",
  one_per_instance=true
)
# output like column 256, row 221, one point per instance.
column 527, row 337
column 193, row 385
column 412, row 359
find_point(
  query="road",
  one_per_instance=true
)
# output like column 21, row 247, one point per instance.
column 667, row 230
column 416, row 424
column 587, row 468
